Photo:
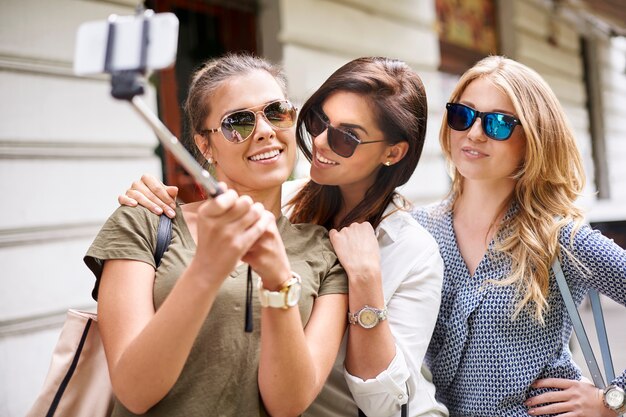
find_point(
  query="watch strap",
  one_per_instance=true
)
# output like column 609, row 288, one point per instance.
column 277, row 299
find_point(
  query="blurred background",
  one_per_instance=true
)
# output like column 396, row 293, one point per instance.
column 67, row 149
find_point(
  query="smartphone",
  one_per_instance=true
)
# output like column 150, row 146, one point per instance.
column 92, row 39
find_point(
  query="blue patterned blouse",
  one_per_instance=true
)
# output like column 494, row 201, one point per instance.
column 483, row 362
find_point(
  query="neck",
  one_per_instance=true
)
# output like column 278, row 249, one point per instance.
column 269, row 198
column 482, row 202
column 350, row 197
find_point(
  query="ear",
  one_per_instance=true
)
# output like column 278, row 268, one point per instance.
column 203, row 145
column 395, row 153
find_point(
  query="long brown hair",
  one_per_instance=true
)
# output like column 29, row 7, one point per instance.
column 397, row 95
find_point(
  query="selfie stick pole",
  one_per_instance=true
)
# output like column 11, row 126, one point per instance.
column 127, row 85
column 172, row 144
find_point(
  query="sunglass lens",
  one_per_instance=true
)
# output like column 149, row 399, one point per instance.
column 498, row 126
column 460, row 117
column 281, row 114
column 314, row 123
column 238, row 126
column 342, row 143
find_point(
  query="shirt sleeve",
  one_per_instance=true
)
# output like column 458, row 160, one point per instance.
column 412, row 313
column 129, row 233
column 602, row 267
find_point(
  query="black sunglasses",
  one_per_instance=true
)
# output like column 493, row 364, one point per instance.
column 238, row 126
column 340, row 141
column 497, row 126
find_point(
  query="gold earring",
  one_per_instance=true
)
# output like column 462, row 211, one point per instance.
column 210, row 160
column 388, row 163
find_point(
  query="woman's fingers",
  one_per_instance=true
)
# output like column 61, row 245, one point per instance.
column 165, row 194
column 152, row 194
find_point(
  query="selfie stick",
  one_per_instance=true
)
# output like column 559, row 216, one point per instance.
column 128, row 85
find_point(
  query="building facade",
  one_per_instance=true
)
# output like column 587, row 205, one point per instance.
column 67, row 149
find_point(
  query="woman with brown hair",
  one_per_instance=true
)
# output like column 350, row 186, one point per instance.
column 174, row 333
column 363, row 131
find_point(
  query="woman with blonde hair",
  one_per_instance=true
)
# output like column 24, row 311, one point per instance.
column 500, row 346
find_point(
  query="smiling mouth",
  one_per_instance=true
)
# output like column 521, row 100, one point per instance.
column 265, row 155
column 323, row 160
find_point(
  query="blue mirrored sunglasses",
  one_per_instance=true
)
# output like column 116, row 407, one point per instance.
column 497, row 126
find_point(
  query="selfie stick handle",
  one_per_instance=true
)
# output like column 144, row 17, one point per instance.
column 172, row 144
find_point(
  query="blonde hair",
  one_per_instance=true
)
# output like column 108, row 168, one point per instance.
column 548, row 182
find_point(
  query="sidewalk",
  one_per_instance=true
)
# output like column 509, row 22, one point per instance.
column 615, row 318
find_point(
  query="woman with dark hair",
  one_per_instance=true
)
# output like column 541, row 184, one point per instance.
column 363, row 132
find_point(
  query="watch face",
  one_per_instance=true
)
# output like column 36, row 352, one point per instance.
column 614, row 398
column 293, row 295
column 368, row 318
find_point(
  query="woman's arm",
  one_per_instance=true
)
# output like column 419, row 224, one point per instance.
column 415, row 286
column 294, row 366
column 135, row 337
column 294, row 363
column 600, row 264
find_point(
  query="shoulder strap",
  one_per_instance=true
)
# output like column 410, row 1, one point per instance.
column 164, row 236
column 579, row 329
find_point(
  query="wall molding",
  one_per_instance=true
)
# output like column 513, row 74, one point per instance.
column 36, row 323
column 25, row 236
column 41, row 66
column 30, row 149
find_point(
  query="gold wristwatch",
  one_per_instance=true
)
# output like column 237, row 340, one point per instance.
column 368, row 317
column 287, row 296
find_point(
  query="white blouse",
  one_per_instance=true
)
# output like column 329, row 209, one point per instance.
column 412, row 274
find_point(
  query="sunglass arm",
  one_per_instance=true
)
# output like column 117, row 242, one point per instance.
column 172, row 144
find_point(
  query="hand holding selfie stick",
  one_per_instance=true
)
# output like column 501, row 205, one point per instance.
column 128, row 85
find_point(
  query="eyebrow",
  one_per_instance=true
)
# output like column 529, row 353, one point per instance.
column 248, row 108
column 347, row 125
column 472, row 105
column 354, row 126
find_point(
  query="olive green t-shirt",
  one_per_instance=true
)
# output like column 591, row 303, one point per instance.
column 220, row 375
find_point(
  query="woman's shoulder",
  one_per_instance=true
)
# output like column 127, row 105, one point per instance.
column 433, row 215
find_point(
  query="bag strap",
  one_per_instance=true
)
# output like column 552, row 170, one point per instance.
column 598, row 318
column 164, row 237
column 579, row 329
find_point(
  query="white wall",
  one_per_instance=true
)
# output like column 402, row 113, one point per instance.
column 66, row 151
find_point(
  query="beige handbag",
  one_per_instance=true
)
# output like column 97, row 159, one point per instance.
column 78, row 381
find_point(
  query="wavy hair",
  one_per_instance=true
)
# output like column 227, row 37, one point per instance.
column 398, row 98
column 548, row 182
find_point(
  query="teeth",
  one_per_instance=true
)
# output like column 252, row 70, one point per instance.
column 325, row 161
column 472, row 152
column 266, row 155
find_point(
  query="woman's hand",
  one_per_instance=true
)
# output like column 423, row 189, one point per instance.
column 151, row 194
column 357, row 248
column 268, row 257
column 575, row 398
column 228, row 226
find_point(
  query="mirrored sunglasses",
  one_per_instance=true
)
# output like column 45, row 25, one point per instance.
column 497, row 126
column 237, row 127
